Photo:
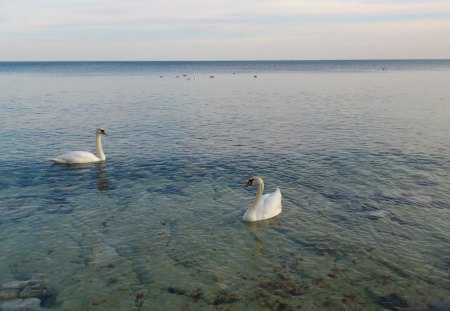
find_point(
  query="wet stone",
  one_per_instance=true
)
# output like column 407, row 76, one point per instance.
column 392, row 302
column 438, row 306
column 28, row 289
column 375, row 214
column 29, row 304
column 18, row 284
column 34, row 290
column 224, row 299
column 8, row 294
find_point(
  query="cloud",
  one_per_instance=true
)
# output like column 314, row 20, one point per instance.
column 300, row 25
column 29, row 14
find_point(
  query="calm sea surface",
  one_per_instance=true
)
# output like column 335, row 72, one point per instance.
column 359, row 149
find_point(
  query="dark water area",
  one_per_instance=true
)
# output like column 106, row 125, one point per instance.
column 216, row 67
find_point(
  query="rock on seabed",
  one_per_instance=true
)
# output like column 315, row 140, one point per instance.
column 7, row 294
column 17, row 284
column 29, row 304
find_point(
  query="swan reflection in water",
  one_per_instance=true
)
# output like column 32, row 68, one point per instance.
column 254, row 228
column 102, row 183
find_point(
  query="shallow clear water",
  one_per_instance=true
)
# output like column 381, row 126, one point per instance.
column 361, row 156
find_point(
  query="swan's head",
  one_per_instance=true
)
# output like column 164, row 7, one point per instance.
column 255, row 180
column 101, row 131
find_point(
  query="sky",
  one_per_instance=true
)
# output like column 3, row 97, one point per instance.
column 223, row 29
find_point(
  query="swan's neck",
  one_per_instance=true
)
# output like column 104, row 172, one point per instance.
column 100, row 153
column 258, row 196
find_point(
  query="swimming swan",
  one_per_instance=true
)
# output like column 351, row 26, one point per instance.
column 265, row 206
column 77, row 157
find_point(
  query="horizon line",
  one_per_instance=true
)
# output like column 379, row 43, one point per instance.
column 230, row 60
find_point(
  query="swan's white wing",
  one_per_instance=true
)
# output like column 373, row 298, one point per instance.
column 76, row 157
column 270, row 205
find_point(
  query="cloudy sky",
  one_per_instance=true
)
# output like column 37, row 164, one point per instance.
column 223, row 29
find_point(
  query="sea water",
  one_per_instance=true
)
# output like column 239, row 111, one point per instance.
column 359, row 149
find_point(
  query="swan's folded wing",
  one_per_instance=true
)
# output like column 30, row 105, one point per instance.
column 271, row 204
column 272, row 199
column 76, row 157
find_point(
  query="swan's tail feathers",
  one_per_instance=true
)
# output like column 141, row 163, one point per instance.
column 278, row 194
column 56, row 160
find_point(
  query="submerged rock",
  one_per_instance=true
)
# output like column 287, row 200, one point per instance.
column 29, row 304
column 392, row 302
column 391, row 194
column 18, row 284
column 7, row 294
column 374, row 214
column 103, row 255
column 32, row 290
column 24, row 290
column 439, row 306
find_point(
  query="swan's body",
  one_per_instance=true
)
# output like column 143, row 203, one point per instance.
column 78, row 157
column 265, row 206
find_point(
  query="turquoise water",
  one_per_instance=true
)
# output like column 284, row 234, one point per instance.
column 360, row 154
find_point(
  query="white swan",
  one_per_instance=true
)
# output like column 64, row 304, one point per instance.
column 77, row 157
column 265, row 206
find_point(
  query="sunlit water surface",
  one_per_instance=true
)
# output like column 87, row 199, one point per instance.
column 362, row 158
